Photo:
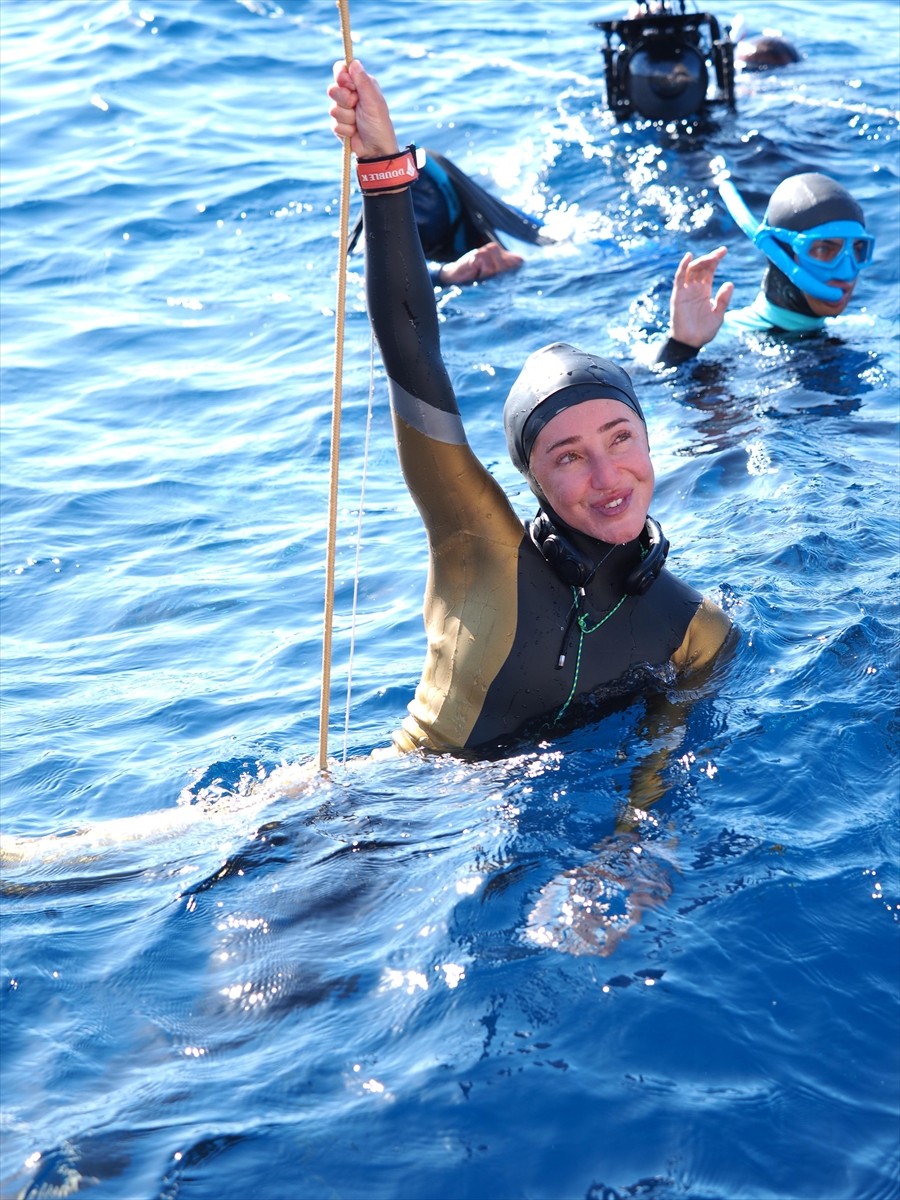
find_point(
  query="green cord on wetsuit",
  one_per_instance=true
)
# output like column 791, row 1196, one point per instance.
column 581, row 618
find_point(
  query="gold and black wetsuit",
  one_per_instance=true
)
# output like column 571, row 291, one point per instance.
column 496, row 614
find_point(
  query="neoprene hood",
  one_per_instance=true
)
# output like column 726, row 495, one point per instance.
column 555, row 378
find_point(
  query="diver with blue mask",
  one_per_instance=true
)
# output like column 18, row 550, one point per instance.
column 814, row 236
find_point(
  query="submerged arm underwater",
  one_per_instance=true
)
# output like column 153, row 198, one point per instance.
column 590, row 908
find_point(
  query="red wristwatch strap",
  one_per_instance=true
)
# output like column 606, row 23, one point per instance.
column 385, row 174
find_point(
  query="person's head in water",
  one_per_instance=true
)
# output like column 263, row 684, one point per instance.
column 828, row 217
column 575, row 429
column 762, row 53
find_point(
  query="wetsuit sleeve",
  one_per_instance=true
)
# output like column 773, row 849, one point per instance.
column 401, row 301
column 452, row 490
column 470, row 604
column 707, row 633
column 672, row 352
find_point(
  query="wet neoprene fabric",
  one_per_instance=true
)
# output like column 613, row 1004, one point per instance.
column 495, row 611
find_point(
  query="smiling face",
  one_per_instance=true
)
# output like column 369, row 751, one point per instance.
column 592, row 462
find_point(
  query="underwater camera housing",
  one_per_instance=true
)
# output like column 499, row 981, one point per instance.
column 660, row 63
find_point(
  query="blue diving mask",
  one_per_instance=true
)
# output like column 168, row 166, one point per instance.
column 836, row 250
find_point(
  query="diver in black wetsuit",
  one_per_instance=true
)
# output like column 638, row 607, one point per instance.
column 459, row 225
column 814, row 236
column 457, row 222
column 522, row 621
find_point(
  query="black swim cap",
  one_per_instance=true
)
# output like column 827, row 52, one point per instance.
column 804, row 201
column 799, row 203
column 555, row 378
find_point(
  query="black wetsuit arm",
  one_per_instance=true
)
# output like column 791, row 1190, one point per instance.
column 672, row 352
column 401, row 302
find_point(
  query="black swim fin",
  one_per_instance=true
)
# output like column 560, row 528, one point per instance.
column 354, row 234
column 487, row 213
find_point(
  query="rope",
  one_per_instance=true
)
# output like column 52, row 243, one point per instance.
column 340, row 309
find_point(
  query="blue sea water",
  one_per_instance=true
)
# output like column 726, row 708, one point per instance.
column 293, row 986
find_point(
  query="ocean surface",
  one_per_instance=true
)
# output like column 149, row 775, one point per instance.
column 226, row 976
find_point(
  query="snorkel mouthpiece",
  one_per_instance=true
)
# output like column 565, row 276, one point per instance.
column 803, row 210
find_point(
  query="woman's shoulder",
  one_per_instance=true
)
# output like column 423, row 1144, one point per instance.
column 708, row 631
